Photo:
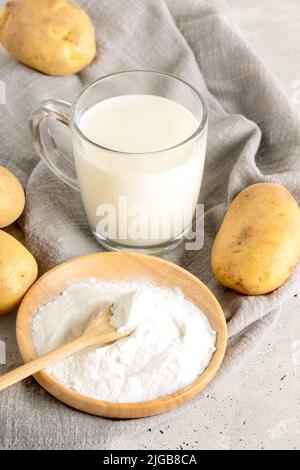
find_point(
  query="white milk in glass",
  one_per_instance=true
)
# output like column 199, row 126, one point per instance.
column 135, row 191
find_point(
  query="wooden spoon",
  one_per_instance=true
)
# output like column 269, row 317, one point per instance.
column 98, row 333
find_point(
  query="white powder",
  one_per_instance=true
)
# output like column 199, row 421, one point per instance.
column 171, row 345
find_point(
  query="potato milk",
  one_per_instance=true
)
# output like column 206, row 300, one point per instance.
column 136, row 167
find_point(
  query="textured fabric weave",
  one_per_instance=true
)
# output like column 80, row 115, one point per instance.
column 254, row 135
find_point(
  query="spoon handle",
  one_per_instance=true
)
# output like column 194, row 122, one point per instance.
column 42, row 362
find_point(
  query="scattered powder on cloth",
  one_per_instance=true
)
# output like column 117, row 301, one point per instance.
column 172, row 341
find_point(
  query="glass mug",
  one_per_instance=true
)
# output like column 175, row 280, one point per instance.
column 141, row 202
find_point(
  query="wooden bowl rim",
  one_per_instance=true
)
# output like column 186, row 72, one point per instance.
column 121, row 409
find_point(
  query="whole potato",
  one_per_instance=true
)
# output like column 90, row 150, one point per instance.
column 12, row 198
column 258, row 244
column 18, row 270
column 55, row 37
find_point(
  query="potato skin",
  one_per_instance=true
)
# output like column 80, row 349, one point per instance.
column 12, row 198
column 258, row 244
column 18, row 270
column 55, row 37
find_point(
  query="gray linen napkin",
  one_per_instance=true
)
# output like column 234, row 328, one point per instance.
column 254, row 135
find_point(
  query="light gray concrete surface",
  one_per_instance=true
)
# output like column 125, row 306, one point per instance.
column 259, row 407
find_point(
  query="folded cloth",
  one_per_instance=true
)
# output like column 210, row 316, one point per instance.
column 254, row 135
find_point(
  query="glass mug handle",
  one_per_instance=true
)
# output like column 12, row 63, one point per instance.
column 43, row 141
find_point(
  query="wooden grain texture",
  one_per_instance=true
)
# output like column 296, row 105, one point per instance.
column 121, row 267
column 99, row 333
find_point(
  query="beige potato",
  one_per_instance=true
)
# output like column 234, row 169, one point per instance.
column 12, row 198
column 18, row 270
column 258, row 244
column 55, row 37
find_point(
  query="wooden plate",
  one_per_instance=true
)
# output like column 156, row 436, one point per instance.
column 120, row 267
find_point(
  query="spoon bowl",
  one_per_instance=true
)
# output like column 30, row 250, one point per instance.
column 98, row 333
column 119, row 267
